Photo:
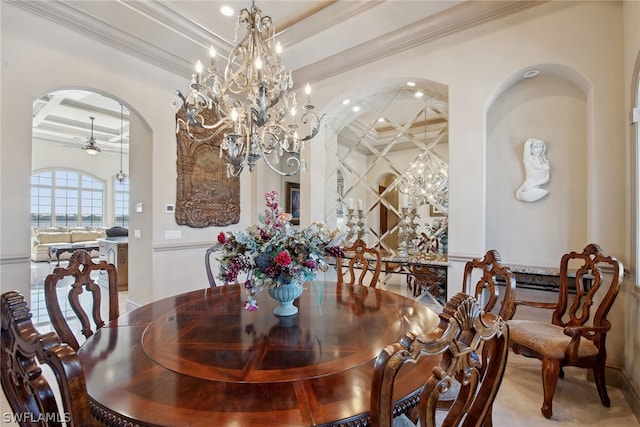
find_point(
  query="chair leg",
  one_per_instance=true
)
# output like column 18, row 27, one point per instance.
column 488, row 422
column 550, row 372
column 601, row 384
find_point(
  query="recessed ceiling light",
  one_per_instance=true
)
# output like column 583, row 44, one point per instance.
column 226, row 10
column 411, row 84
column 531, row 73
column 356, row 108
column 419, row 94
column 346, row 102
column 381, row 120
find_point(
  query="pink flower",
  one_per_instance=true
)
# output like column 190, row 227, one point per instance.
column 283, row 259
column 221, row 237
column 251, row 305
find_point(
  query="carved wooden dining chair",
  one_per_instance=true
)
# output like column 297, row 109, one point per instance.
column 578, row 328
column 80, row 268
column 364, row 265
column 472, row 348
column 207, row 265
column 30, row 393
column 479, row 280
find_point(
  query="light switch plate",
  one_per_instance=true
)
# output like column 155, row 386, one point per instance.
column 172, row 235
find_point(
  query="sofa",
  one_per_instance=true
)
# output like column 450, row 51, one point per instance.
column 42, row 238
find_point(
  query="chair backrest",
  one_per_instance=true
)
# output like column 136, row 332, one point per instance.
column 589, row 279
column 80, row 268
column 485, row 290
column 207, row 265
column 472, row 347
column 29, row 393
column 364, row 264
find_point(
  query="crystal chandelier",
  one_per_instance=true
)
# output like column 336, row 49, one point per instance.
column 252, row 104
column 120, row 175
column 427, row 181
column 91, row 148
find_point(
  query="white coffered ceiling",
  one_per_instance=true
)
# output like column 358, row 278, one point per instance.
column 320, row 39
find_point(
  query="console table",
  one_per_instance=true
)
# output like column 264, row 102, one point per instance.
column 542, row 278
column 58, row 250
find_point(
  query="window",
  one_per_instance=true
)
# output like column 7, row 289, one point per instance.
column 121, row 202
column 66, row 199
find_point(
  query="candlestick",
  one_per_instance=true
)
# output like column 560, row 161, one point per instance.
column 349, row 203
column 359, row 204
column 361, row 224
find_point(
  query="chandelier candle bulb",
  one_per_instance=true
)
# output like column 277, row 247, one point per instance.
column 359, row 204
column 307, row 90
column 234, row 118
column 212, row 53
column 404, row 200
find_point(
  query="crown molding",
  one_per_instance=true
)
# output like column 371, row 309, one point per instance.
column 456, row 18
column 449, row 21
column 65, row 15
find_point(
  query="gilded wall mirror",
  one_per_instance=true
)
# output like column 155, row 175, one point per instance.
column 388, row 149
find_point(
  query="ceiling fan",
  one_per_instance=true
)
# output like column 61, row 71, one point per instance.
column 91, row 148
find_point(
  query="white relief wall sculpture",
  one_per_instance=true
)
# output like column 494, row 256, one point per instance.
column 536, row 168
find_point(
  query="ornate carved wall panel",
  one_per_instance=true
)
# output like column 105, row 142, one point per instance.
column 205, row 195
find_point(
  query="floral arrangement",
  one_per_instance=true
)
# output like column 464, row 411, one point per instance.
column 274, row 253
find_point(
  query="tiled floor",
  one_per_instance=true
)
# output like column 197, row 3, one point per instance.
column 576, row 402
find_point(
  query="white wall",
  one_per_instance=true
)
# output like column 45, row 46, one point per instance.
column 553, row 109
column 475, row 63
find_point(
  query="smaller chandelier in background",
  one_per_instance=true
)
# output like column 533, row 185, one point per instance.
column 120, row 175
column 253, row 105
column 92, row 147
column 427, row 181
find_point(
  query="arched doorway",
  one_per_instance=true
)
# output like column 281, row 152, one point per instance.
column 80, row 156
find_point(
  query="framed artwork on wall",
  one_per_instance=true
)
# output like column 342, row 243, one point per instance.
column 292, row 204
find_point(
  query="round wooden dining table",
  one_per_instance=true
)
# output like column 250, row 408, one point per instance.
column 201, row 359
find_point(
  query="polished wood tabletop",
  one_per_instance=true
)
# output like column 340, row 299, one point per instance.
column 201, row 359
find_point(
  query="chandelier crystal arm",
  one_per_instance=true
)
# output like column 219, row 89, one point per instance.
column 292, row 161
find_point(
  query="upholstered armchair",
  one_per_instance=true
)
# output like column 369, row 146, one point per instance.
column 576, row 334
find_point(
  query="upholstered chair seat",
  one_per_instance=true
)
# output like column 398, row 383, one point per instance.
column 547, row 339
